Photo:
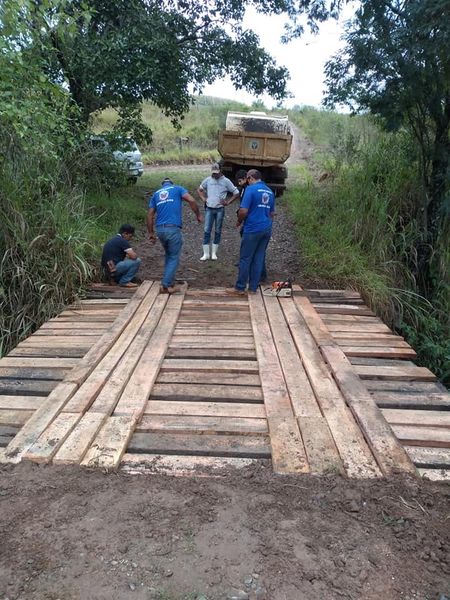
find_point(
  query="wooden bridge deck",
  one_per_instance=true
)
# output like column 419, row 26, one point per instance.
column 314, row 383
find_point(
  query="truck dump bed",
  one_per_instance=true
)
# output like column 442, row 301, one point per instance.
column 254, row 149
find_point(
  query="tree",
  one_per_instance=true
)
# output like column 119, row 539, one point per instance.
column 117, row 54
column 396, row 64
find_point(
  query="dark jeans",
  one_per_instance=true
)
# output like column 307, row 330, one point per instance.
column 264, row 269
column 252, row 259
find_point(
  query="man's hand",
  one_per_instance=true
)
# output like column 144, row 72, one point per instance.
column 238, row 224
column 152, row 238
column 199, row 218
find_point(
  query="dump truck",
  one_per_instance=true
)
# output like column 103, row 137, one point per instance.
column 256, row 140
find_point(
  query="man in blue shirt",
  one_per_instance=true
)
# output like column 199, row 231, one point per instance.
column 119, row 259
column 166, row 204
column 256, row 212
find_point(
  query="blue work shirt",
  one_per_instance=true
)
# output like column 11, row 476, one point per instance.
column 259, row 199
column 167, row 202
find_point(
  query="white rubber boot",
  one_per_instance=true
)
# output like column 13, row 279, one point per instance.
column 205, row 252
column 214, row 251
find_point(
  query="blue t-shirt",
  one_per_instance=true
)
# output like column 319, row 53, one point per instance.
column 114, row 250
column 259, row 199
column 168, row 202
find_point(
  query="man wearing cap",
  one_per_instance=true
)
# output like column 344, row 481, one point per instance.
column 214, row 191
column 166, row 204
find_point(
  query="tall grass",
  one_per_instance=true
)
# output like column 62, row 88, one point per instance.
column 361, row 227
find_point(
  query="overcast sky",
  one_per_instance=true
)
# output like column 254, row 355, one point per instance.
column 305, row 58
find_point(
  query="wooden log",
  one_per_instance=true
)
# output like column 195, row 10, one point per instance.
column 200, row 445
column 423, row 436
column 406, row 373
column 201, row 425
column 390, row 455
column 110, row 444
column 288, row 452
column 187, row 392
column 205, row 409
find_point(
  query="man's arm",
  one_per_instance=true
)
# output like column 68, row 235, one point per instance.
column 131, row 253
column 150, row 224
column 242, row 213
column 194, row 206
column 202, row 194
column 233, row 198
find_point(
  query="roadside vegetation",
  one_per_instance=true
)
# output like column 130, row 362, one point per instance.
column 361, row 225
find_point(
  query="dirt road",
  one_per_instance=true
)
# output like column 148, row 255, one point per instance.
column 72, row 534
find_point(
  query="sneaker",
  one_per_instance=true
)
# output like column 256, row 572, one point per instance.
column 235, row 292
column 130, row 284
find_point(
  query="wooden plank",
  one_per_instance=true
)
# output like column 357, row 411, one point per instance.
column 390, row 455
column 75, row 324
column 20, row 402
column 110, row 444
column 427, row 418
column 406, row 373
column 212, row 344
column 379, row 352
column 221, row 378
column 393, row 341
column 317, row 327
column 429, row 458
column 366, row 335
column 184, row 465
column 326, row 293
column 403, row 400
column 92, row 385
column 52, row 352
column 342, row 309
column 109, row 395
column 46, row 446
column 323, row 456
column 219, row 336
column 354, row 327
column 214, row 303
column 193, row 365
column 59, row 396
column 216, row 353
column 416, row 387
column 205, row 409
column 69, row 331
column 59, row 341
column 80, row 438
column 138, row 389
column 423, row 436
column 355, row 454
column 27, row 387
column 200, row 425
column 52, row 374
column 227, row 328
column 302, row 397
column 288, row 452
column 15, row 418
column 180, row 391
column 44, row 363
column 328, row 318
column 380, row 362
column 179, row 444
column 99, row 303
column 440, row 475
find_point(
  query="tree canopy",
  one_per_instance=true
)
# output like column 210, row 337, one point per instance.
column 117, row 54
column 396, row 64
